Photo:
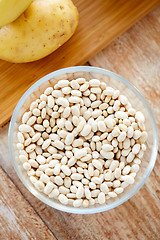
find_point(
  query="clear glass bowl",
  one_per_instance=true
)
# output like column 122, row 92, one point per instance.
column 112, row 80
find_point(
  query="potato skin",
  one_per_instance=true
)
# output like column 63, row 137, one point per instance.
column 12, row 9
column 40, row 30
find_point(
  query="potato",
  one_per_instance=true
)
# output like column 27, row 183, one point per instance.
column 40, row 30
column 12, row 9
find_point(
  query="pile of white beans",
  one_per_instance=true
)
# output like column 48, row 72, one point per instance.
column 81, row 142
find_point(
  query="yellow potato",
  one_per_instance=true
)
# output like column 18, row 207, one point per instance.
column 40, row 30
column 12, row 9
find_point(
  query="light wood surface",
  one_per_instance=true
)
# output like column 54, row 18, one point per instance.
column 18, row 220
column 134, row 55
column 101, row 21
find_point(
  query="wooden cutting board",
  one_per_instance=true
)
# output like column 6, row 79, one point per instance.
column 101, row 21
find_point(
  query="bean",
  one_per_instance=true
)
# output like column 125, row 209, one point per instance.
column 26, row 166
column 101, row 198
column 94, row 83
column 80, row 153
column 126, row 170
column 96, row 180
column 121, row 115
column 130, row 157
column 74, row 99
column 135, row 168
column 68, row 125
column 80, row 192
column 58, row 144
column 62, row 101
column 107, row 155
column 87, row 193
column 139, row 117
column 25, row 117
column 77, row 203
column 58, row 180
column 66, row 170
column 86, row 158
column 76, row 176
column 44, row 178
column 104, row 188
column 48, row 188
column 107, row 147
column 67, row 182
column 25, row 128
column 69, row 139
column 97, row 164
column 117, row 172
column 112, row 194
column 136, row 148
column 95, row 193
column 118, row 190
column 48, row 91
column 63, row 199
column 39, row 185
column 114, row 165
column 128, row 179
column 121, row 137
column 54, row 193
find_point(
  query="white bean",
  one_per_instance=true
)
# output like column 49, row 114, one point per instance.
column 25, row 117
column 126, row 170
column 54, row 193
column 76, row 176
column 139, row 117
column 107, row 147
column 80, row 153
column 58, row 180
column 66, row 170
column 135, row 168
column 130, row 157
column 67, row 182
column 48, row 188
column 101, row 198
column 44, row 178
column 25, row 128
column 112, row 194
column 80, row 192
column 69, row 139
column 74, row 99
column 39, row 185
column 107, row 155
column 63, row 199
column 121, row 115
column 104, row 188
column 58, row 144
column 87, row 193
column 97, row 164
column 136, row 148
column 26, row 166
column 63, row 83
column 96, row 180
column 66, row 90
column 77, row 202
column 128, row 179
column 74, row 84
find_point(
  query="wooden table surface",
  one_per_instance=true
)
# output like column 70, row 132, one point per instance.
column 136, row 56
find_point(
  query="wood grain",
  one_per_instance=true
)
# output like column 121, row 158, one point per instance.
column 135, row 55
column 18, row 220
column 101, row 21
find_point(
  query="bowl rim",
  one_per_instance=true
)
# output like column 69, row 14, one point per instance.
column 68, row 208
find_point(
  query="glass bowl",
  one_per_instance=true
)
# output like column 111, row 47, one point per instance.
column 113, row 80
